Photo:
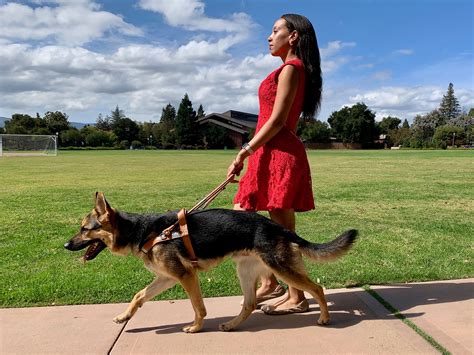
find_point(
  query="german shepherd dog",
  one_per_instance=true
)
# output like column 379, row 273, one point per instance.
column 258, row 245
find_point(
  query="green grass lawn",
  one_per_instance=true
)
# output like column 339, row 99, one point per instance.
column 414, row 211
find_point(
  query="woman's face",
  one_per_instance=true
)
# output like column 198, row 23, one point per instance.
column 279, row 40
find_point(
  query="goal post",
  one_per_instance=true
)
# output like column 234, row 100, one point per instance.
column 28, row 145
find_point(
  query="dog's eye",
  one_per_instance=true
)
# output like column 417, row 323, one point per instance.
column 90, row 228
column 91, row 225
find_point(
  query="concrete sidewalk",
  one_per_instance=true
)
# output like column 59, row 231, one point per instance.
column 359, row 324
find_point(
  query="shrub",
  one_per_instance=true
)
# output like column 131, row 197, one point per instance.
column 137, row 144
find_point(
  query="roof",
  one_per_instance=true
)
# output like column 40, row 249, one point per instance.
column 237, row 121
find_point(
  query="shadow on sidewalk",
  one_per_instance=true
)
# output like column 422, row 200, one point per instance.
column 407, row 296
column 347, row 308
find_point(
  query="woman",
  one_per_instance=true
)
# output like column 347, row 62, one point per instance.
column 278, row 178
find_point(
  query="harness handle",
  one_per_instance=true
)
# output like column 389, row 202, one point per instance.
column 212, row 195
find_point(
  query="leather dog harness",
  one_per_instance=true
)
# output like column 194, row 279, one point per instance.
column 172, row 233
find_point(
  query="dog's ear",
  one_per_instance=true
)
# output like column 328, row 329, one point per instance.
column 101, row 205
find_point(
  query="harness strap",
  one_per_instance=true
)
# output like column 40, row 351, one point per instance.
column 183, row 228
column 169, row 234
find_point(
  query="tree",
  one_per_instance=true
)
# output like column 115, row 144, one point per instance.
column 400, row 136
column 97, row 138
column 388, row 123
column 20, row 124
column 354, row 124
column 424, row 127
column 165, row 131
column 200, row 112
column 56, row 122
column 315, row 131
column 449, row 107
column 116, row 115
column 187, row 130
column 104, row 124
column 463, row 120
column 123, row 127
column 449, row 135
column 71, row 138
column 146, row 134
column 215, row 136
column 405, row 124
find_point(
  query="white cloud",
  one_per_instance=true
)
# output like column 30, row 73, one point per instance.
column 331, row 60
column 334, row 47
column 404, row 51
column 71, row 23
column 141, row 79
column 190, row 14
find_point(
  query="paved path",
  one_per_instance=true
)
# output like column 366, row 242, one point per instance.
column 360, row 324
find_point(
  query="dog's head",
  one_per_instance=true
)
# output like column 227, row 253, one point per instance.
column 98, row 230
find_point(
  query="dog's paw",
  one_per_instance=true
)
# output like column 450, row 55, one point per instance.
column 122, row 318
column 323, row 320
column 192, row 328
column 225, row 327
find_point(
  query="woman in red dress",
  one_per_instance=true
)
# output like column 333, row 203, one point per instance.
column 278, row 178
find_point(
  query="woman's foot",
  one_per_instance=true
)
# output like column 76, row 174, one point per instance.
column 265, row 294
column 287, row 306
column 268, row 294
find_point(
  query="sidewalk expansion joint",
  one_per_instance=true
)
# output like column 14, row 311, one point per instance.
column 117, row 338
column 405, row 320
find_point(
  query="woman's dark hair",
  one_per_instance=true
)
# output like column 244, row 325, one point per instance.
column 308, row 51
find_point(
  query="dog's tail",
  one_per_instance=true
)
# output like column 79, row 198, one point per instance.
column 328, row 251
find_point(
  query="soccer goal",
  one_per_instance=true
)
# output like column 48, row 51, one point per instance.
column 28, row 145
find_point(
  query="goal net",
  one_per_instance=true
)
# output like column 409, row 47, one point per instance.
column 28, row 145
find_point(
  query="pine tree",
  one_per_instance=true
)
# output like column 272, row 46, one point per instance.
column 168, row 116
column 405, row 124
column 200, row 112
column 167, row 127
column 187, row 131
column 449, row 107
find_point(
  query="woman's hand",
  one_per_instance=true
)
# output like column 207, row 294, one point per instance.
column 237, row 165
column 235, row 169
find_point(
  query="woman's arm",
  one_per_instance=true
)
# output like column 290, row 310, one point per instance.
column 286, row 92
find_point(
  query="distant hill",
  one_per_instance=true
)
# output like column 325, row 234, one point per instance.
column 79, row 125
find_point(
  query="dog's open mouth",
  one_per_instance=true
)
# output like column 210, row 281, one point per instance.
column 94, row 249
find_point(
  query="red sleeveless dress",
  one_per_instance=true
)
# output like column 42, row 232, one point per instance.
column 278, row 174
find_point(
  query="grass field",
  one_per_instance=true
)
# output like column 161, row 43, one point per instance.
column 414, row 211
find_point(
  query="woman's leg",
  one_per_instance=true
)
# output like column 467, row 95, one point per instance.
column 286, row 217
column 267, row 284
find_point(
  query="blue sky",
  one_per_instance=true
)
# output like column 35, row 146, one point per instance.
column 84, row 57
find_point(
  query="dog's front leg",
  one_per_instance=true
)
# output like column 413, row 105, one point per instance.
column 190, row 283
column 158, row 285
